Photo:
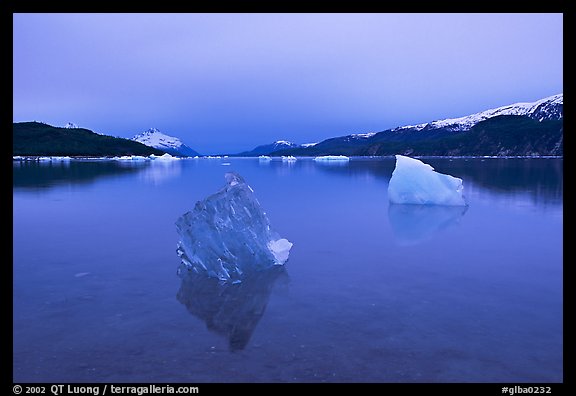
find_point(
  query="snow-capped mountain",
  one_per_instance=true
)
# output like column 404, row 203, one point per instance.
column 41, row 139
column 266, row 149
column 550, row 108
column 282, row 144
column 170, row 144
column 534, row 128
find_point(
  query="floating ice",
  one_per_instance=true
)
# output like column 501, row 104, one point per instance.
column 163, row 157
column 52, row 158
column 131, row 158
column 264, row 158
column 288, row 158
column 332, row 158
column 228, row 234
column 414, row 182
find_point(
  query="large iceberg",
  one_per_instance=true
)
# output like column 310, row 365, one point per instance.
column 228, row 234
column 414, row 182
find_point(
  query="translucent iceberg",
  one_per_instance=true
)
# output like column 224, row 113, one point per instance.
column 228, row 234
column 414, row 182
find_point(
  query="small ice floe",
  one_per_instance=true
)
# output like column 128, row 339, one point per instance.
column 332, row 158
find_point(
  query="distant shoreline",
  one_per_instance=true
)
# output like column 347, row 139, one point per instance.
column 45, row 158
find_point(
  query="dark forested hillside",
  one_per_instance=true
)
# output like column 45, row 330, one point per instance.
column 35, row 138
column 505, row 135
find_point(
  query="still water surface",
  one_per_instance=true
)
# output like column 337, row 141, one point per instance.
column 371, row 292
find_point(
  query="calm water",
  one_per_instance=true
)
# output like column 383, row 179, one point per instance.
column 371, row 292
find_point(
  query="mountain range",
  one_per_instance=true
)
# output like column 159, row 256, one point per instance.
column 534, row 128
column 266, row 149
column 520, row 129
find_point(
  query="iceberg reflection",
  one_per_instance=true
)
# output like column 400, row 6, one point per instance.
column 413, row 224
column 229, row 309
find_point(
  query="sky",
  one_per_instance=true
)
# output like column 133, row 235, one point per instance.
column 225, row 83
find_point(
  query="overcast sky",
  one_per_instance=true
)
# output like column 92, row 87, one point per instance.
column 224, row 83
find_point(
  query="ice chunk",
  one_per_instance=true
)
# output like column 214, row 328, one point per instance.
column 332, row 158
column 414, row 182
column 163, row 157
column 131, row 158
column 289, row 158
column 228, row 234
column 230, row 309
column 280, row 249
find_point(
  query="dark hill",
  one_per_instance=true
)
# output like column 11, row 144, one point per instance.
column 35, row 138
column 505, row 135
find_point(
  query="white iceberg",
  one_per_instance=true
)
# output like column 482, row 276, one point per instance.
column 131, row 158
column 414, row 182
column 228, row 234
column 264, row 158
column 332, row 158
column 288, row 158
column 163, row 157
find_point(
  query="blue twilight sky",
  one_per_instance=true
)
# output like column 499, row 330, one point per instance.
column 225, row 83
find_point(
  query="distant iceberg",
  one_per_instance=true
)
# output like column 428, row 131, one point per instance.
column 264, row 158
column 414, row 182
column 332, row 158
column 228, row 234
column 131, row 158
column 52, row 158
column 288, row 158
column 163, row 157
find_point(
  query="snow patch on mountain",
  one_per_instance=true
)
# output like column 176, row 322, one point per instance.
column 284, row 143
column 550, row 108
column 363, row 135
